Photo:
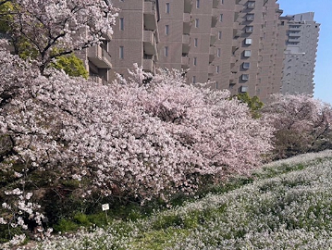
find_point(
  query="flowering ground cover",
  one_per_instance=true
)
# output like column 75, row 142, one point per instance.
column 287, row 205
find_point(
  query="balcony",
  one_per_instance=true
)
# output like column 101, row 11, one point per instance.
column 188, row 5
column 250, row 5
column 212, row 54
column 150, row 15
column 236, row 33
column 250, row 17
column 293, row 40
column 99, row 57
column 186, row 18
column 148, row 65
column 149, row 42
column 232, row 78
column 214, row 21
column 211, row 70
column 186, row 39
column 213, row 36
column 215, row 3
column 294, row 34
column 184, row 62
column 294, row 27
column 186, row 27
column 96, row 78
column 185, row 44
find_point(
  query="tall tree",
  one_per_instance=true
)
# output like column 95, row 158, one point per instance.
column 302, row 124
column 44, row 30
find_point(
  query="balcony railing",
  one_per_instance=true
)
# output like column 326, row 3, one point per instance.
column 212, row 54
column 148, row 65
column 95, row 78
column 188, row 5
column 185, row 61
column 186, row 39
column 215, row 3
column 186, row 17
column 150, row 15
column 211, row 70
column 99, row 57
column 149, row 42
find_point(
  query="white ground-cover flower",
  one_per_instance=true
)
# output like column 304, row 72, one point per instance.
column 288, row 211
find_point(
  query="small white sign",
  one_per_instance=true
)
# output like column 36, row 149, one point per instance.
column 105, row 207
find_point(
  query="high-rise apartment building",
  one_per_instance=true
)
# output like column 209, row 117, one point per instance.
column 135, row 36
column 247, row 57
column 300, row 54
column 232, row 44
column 174, row 31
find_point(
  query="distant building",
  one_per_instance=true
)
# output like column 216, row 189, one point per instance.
column 300, row 54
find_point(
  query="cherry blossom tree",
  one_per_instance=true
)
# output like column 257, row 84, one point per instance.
column 302, row 124
column 68, row 137
column 44, row 30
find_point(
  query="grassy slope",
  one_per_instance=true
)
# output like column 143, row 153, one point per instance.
column 287, row 205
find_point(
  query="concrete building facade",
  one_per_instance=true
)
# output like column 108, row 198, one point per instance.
column 135, row 36
column 232, row 44
column 300, row 54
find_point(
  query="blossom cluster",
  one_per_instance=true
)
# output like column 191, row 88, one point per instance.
column 128, row 140
column 43, row 30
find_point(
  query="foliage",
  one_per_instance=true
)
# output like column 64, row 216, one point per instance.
column 5, row 18
column 72, row 65
column 254, row 104
column 302, row 124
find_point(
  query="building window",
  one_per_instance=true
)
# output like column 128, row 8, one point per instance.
column 249, row 29
column 219, row 52
column 167, row 29
column 246, row 65
column 217, row 69
column 195, row 61
column 167, row 8
column 247, row 53
column 166, row 51
column 121, row 23
column 219, row 35
column 220, row 17
column 121, row 54
column 245, row 77
column 194, row 79
column 196, row 42
column 196, row 22
column 250, row 17
column 197, row 4
column 248, row 41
